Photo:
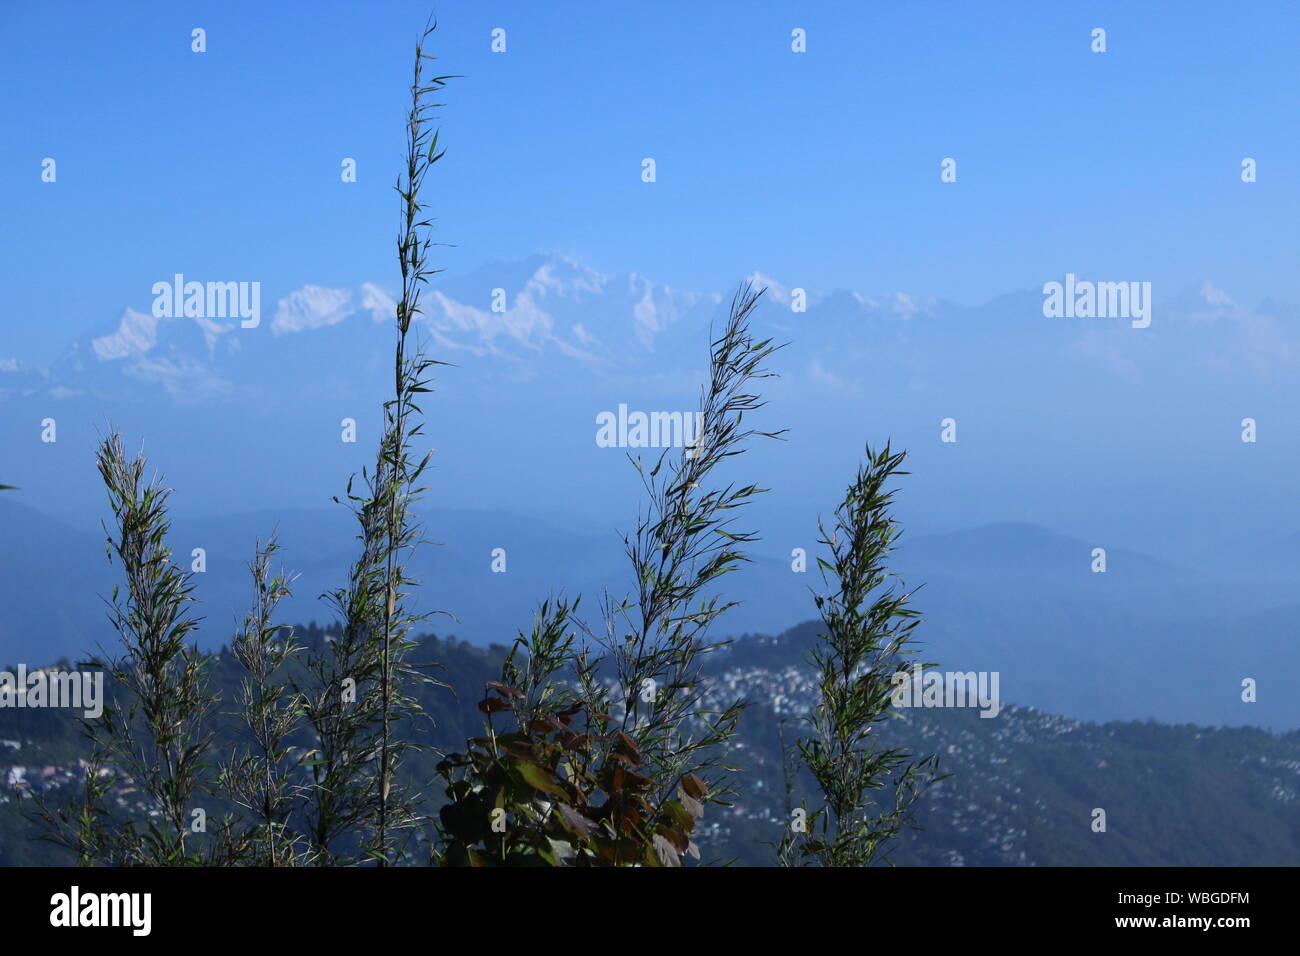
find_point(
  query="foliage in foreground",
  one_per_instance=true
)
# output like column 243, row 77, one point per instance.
column 629, row 784
column 868, row 630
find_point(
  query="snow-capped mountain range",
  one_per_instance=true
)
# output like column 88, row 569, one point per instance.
column 552, row 313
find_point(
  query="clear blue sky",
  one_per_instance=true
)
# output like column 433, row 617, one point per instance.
column 820, row 169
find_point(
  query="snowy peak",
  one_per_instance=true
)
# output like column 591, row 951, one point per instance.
column 551, row 314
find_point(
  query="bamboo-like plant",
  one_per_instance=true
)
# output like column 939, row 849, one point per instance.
column 361, row 683
column 536, row 664
column 868, row 634
column 264, row 777
column 684, row 543
column 154, row 729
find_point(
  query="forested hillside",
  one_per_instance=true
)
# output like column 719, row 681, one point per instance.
column 1022, row 789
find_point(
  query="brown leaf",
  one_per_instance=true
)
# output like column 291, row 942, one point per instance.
column 694, row 786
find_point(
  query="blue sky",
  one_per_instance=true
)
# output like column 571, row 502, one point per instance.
column 821, row 169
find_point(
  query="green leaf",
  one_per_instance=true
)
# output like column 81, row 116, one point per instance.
column 536, row 777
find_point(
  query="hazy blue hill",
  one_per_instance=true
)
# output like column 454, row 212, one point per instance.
column 542, row 558
column 1028, row 558
column 1147, row 639
column 52, row 577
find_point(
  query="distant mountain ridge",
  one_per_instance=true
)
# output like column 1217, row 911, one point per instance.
column 516, row 312
column 1147, row 639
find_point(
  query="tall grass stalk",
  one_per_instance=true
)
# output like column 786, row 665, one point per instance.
column 362, row 684
column 868, row 634
column 263, row 778
column 686, row 541
column 154, row 728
